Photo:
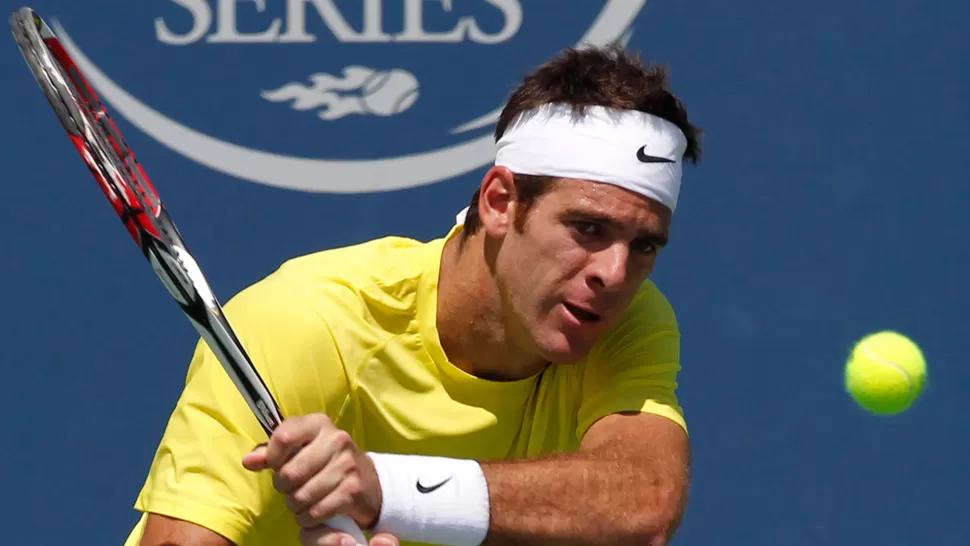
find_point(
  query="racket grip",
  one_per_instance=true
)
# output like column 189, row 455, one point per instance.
column 346, row 524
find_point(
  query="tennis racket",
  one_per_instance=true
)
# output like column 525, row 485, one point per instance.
column 134, row 199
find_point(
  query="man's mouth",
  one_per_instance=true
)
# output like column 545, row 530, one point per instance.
column 582, row 314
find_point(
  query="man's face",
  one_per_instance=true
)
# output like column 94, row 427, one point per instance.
column 570, row 269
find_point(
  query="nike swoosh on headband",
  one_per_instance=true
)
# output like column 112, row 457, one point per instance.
column 644, row 158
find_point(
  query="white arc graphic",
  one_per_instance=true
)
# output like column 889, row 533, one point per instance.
column 326, row 175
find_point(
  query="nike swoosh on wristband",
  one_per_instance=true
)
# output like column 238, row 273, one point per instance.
column 425, row 489
column 644, row 158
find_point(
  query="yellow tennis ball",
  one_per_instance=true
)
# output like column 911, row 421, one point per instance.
column 886, row 373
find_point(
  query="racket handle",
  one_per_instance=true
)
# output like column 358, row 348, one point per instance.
column 346, row 524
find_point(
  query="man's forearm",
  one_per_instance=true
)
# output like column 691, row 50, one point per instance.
column 582, row 499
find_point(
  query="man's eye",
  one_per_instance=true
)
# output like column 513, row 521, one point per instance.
column 586, row 228
column 645, row 247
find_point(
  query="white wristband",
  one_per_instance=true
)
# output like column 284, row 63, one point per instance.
column 433, row 500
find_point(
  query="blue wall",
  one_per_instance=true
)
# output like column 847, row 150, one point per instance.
column 831, row 202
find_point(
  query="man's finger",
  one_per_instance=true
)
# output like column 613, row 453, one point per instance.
column 339, row 500
column 256, row 459
column 384, row 539
column 310, row 462
column 315, row 488
column 291, row 435
column 325, row 536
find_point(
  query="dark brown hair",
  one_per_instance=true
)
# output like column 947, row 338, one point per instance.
column 608, row 76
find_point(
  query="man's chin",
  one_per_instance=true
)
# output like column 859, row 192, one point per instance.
column 565, row 351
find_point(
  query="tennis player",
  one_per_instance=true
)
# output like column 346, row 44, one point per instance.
column 513, row 382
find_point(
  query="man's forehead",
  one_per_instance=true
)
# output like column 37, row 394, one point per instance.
column 601, row 199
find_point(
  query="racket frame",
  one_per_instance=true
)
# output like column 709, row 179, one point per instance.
column 134, row 199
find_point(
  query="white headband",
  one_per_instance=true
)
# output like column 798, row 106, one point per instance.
column 634, row 150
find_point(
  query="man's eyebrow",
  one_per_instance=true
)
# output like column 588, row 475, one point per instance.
column 656, row 237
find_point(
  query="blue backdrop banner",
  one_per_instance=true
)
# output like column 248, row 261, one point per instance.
column 831, row 202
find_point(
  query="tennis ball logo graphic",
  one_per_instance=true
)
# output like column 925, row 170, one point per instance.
column 359, row 90
column 885, row 373
column 389, row 92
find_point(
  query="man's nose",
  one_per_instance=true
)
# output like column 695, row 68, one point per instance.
column 609, row 266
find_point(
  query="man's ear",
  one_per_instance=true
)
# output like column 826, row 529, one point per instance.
column 497, row 201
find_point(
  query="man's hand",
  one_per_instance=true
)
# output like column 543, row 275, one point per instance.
column 324, row 536
column 165, row 531
column 321, row 473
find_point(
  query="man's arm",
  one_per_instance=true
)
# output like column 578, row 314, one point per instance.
column 626, row 485
column 166, row 531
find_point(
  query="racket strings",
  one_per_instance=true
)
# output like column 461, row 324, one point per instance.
column 93, row 132
column 114, row 158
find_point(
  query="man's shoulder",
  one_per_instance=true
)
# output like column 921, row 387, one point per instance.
column 385, row 255
column 385, row 268
column 391, row 263
column 650, row 307
column 649, row 314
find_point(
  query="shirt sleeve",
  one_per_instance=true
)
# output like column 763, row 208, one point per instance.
column 197, row 473
column 635, row 367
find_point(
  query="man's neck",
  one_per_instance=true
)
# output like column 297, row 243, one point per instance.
column 470, row 319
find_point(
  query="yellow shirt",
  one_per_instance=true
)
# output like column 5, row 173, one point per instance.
column 351, row 332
